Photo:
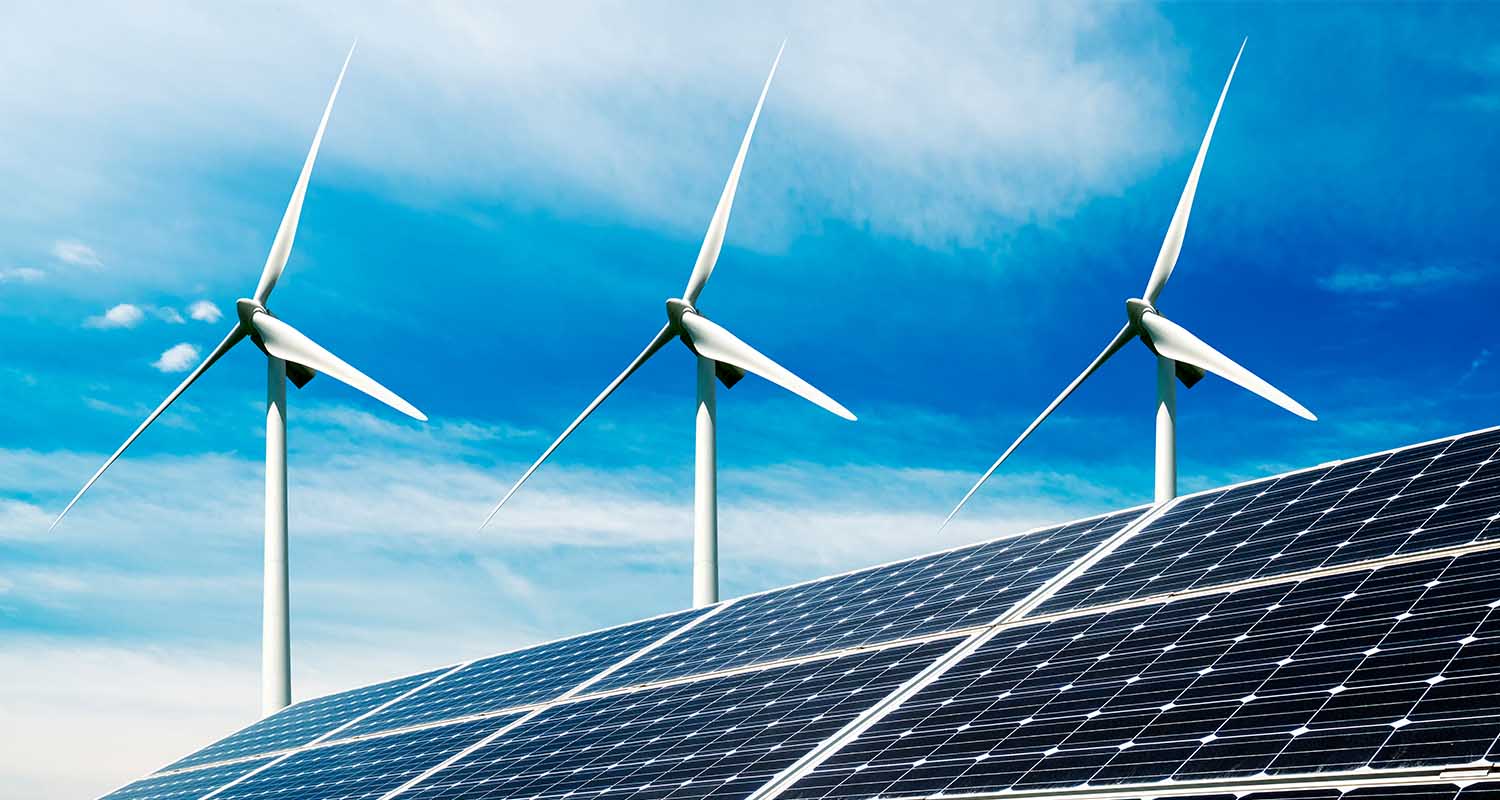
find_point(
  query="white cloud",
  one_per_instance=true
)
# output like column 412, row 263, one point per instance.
column 21, row 275
column 168, row 315
column 177, row 358
column 1356, row 280
column 205, row 311
column 943, row 127
column 124, row 315
column 76, row 253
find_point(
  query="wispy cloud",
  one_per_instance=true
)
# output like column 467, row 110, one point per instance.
column 124, row 315
column 1358, row 280
column 979, row 107
column 205, row 311
column 1475, row 365
column 168, row 315
column 21, row 275
column 76, row 253
column 177, row 358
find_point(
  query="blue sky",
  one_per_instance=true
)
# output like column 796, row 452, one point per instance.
column 938, row 223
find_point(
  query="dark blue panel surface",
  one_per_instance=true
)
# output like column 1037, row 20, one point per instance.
column 1385, row 668
column 301, row 723
column 717, row 737
column 365, row 769
column 958, row 589
column 184, row 785
column 521, row 677
column 1425, row 497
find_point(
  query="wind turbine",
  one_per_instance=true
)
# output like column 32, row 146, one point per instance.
column 1179, row 354
column 720, row 354
column 289, row 354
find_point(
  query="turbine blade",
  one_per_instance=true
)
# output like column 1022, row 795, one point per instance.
column 1121, row 338
column 714, row 342
column 229, row 341
column 1175, row 342
column 662, row 337
column 281, row 248
column 713, row 241
column 1171, row 246
column 289, row 344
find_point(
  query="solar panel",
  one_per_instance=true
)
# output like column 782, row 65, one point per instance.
column 184, row 785
column 1240, row 638
column 364, row 768
column 717, row 737
column 962, row 588
column 303, row 722
column 1425, row 497
column 1373, row 668
column 520, row 677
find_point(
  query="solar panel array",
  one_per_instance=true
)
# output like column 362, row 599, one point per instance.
column 304, row 722
column 1299, row 637
column 362, row 768
column 962, row 588
column 1383, row 668
column 1422, row 498
column 521, row 677
column 717, row 737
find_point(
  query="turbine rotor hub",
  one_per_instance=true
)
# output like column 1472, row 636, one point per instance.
column 676, row 307
column 245, row 308
column 1135, row 308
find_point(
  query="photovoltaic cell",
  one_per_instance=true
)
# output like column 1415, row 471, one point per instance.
column 364, row 769
column 1426, row 497
column 958, row 589
column 718, row 737
column 183, row 785
column 1385, row 668
column 303, row 722
column 520, row 677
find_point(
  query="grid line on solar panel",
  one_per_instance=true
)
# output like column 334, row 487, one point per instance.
column 1381, row 669
column 959, row 589
column 1394, row 786
column 303, row 722
column 522, row 677
column 710, row 737
column 189, row 785
column 360, row 769
column 1423, row 497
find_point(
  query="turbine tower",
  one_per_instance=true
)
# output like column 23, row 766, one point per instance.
column 1180, row 356
column 289, row 354
column 720, row 355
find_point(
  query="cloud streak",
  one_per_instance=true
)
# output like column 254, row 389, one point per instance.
column 1363, row 281
column 76, row 253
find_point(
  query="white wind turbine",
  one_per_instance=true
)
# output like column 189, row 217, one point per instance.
column 720, row 355
column 288, row 354
column 1179, row 354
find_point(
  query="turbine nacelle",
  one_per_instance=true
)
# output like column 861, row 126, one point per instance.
column 1137, row 310
column 246, row 309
